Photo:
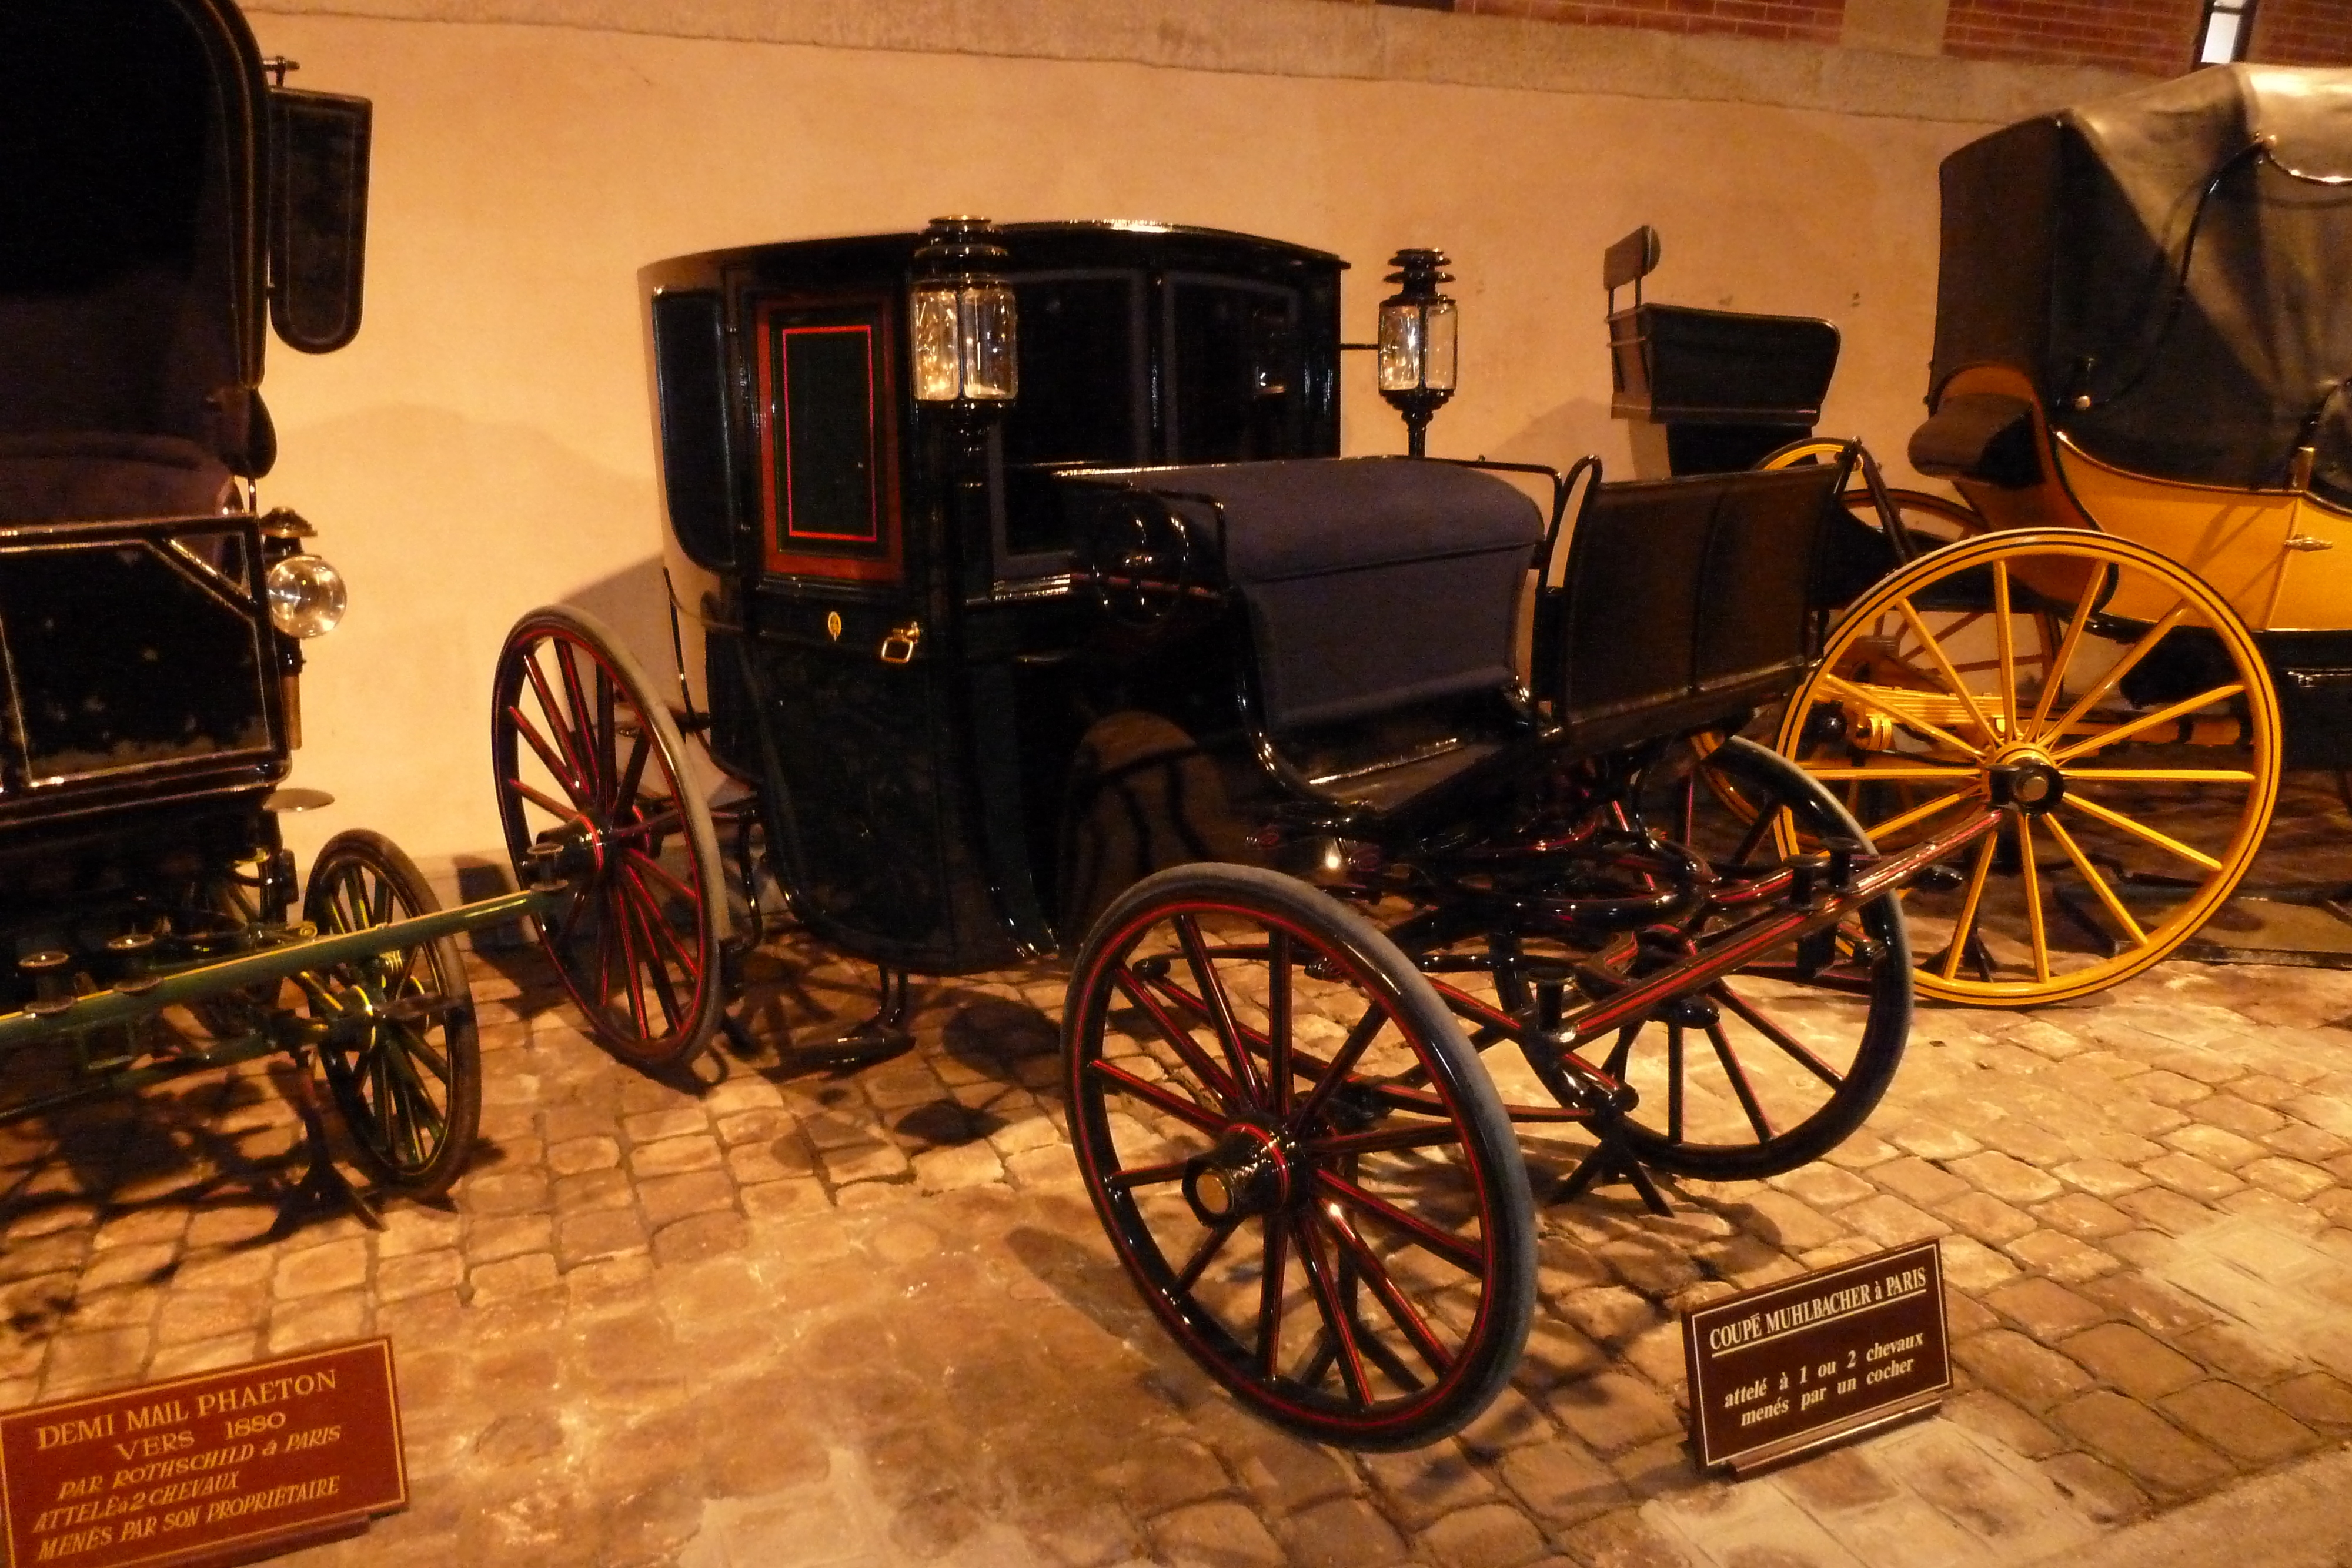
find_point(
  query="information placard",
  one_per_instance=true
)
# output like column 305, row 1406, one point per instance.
column 214, row 1468
column 1794, row 1366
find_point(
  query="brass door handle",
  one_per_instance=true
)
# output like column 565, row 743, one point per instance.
column 898, row 647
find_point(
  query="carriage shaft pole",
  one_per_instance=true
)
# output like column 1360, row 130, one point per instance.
column 1638, row 1000
column 101, row 1008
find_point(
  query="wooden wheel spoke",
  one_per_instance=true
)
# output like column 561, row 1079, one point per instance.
column 1278, row 1003
column 1978, row 876
column 2098, row 884
column 1336, row 1071
column 619, row 914
column 1904, row 773
column 544, row 801
column 1464, row 1255
column 1740, row 1087
column 1916, row 814
column 1336, row 1321
column 2030, row 875
column 1186, row 1110
column 1382, row 1140
column 414, row 1048
column 657, row 923
column 2140, row 830
column 2005, row 640
column 1790, row 1045
column 2123, row 666
column 1275, row 1265
column 2146, row 721
column 1400, row 1310
column 624, row 794
column 2054, row 675
column 1146, row 1176
column 1205, row 1253
column 1949, row 676
column 1179, row 1040
column 645, row 864
column 571, row 772
column 1219, row 1009
column 664, row 989
column 2158, row 776
column 584, row 724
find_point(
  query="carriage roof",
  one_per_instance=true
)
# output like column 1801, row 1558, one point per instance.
column 2164, row 266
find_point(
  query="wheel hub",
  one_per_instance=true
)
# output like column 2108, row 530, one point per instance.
column 1249, row 1172
column 2025, row 777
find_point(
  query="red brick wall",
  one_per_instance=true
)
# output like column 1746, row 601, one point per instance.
column 1802, row 21
column 2302, row 32
column 2156, row 36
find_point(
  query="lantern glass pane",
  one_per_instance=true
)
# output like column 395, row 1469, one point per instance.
column 1439, row 324
column 1402, row 346
column 938, row 376
column 990, row 347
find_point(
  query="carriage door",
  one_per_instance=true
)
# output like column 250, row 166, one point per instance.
column 849, row 696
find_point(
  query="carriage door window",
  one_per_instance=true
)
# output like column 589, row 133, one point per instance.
column 827, row 440
column 1235, row 371
column 2227, row 29
column 1083, row 399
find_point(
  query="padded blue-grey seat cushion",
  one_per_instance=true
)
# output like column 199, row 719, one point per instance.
column 1371, row 583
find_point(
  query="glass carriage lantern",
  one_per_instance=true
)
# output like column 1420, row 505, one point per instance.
column 1417, row 333
column 966, row 335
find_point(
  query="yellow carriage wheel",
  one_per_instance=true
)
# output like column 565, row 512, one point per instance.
column 2138, row 757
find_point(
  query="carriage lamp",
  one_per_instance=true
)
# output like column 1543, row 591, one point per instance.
column 1417, row 343
column 966, row 337
column 306, row 596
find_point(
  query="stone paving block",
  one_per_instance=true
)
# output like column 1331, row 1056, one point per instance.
column 188, row 1316
column 573, row 1155
column 2083, row 1216
column 2157, row 1308
column 1609, row 1314
column 2297, row 1141
column 1760, row 1524
column 2061, row 1257
column 1984, row 1218
column 2005, row 1178
column 1971, row 1265
column 2247, row 1428
column 2032, row 1375
column 711, row 1234
column 2142, row 1443
column 1560, row 1482
column 419, row 1273
column 505, row 1192
column 512, row 1277
column 697, row 1151
column 1420, row 1485
column 1861, row 1150
column 2213, row 1146
column 1489, row 1535
column 2002, row 1424
column 1838, row 1481
column 311, row 1321
column 1609, row 1411
column 2043, row 1309
column 2166, row 1209
column 1891, row 1222
column 1341, row 1533
column 2290, row 1179
column 1934, row 1141
column 1916, row 1181
column 2131, row 1360
column 1625, row 1541
column 508, row 1236
column 1213, row 1535
column 1823, row 1186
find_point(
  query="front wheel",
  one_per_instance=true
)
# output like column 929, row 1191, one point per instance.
column 592, row 772
column 401, row 1053
column 1297, row 1157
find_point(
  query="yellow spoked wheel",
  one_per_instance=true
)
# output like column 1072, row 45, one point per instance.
column 2111, row 700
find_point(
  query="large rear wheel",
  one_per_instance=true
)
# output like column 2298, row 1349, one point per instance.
column 592, row 772
column 1297, row 1157
column 2105, row 693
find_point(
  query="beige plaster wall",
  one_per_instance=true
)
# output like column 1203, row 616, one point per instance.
column 483, row 446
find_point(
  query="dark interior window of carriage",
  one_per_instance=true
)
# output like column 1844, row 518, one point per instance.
column 1235, row 379
column 1082, row 394
column 2225, row 30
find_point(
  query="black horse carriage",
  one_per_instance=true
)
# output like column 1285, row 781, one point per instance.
column 1018, row 587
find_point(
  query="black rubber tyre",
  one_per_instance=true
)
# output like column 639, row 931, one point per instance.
column 1249, row 1061
column 586, row 755
column 1800, row 1047
column 403, row 1060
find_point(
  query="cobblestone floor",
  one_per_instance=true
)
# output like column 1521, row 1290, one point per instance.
column 793, row 1315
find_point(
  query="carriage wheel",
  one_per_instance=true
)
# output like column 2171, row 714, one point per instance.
column 590, row 764
column 2140, row 758
column 1298, row 1157
column 1775, row 1064
column 401, row 1054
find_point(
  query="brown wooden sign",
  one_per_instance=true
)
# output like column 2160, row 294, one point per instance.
column 1794, row 1366
column 216, row 1467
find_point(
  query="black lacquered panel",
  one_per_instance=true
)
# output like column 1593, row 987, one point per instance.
column 689, row 378
column 124, row 655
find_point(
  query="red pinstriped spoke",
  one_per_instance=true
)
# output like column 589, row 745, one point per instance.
column 567, row 661
column 1176, row 1105
column 1146, row 1176
column 1220, row 1007
column 1382, row 1140
column 1464, row 1255
column 658, row 925
column 1275, row 1265
column 643, row 863
column 625, row 795
column 628, row 965
column 1739, row 1084
column 573, row 772
column 1277, row 1023
column 1335, row 1324
column 565, row 779
column 1179, row 1040
column 653, row 929
column 608, row 733
column 1763, row 1025
column 545, row 803
column 1400, row 1312
column 1205, row 1254
column 1336, row 1071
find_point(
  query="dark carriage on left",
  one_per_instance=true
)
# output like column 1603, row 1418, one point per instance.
column 165, row 201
